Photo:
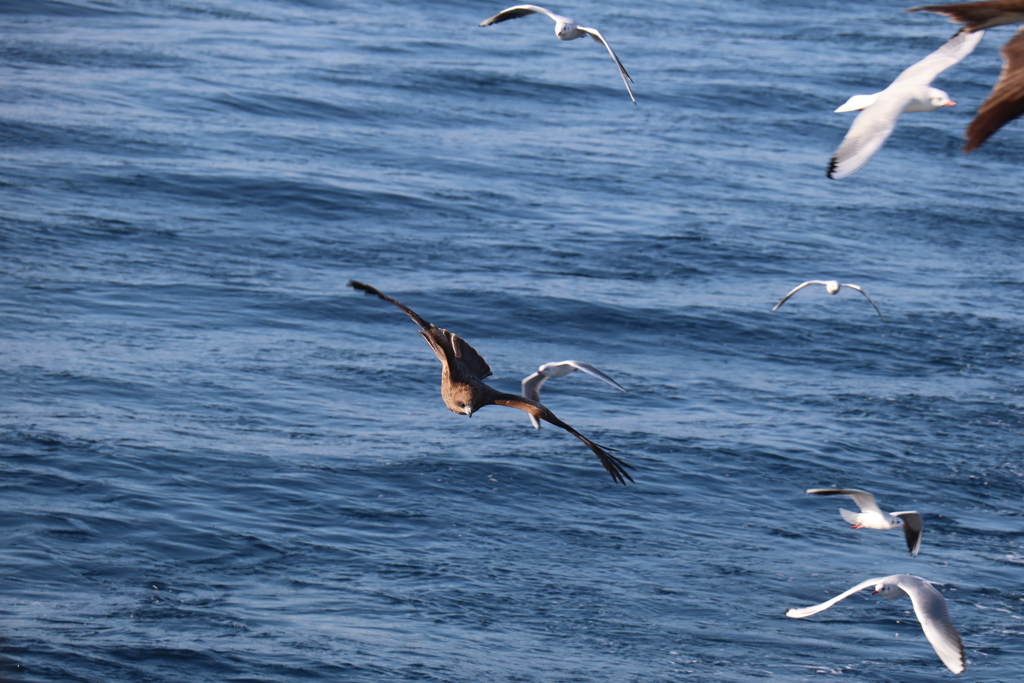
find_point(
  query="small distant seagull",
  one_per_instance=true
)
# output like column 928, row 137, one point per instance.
column 565, row 29
column 463, row 390
column 832, row 287
column 533, row 383
column 910, row 92
column 929, row 606
column 872, row 517
column 1006, row 101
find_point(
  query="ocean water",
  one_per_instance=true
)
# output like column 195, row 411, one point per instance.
column 220, row 463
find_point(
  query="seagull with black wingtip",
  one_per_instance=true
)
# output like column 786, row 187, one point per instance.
column 565, row 29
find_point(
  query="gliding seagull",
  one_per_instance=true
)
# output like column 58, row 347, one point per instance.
column 533, row 383
column 832, row 287
column 872, row 517
column 565, row 29
column 910, row 92
column 929, row 606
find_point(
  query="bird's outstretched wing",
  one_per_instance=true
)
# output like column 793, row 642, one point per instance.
column 864, row 500
column 795, row 290
column 979, row 15
column 855, row 287
column 913, row 527
column 800, row 613
column 1006, row 101
column 869, row 131
column 626, row 78
column 615, row 466
column 516, row 12
column 531, row 390
column 932, row 612
column 952, row 51
column 594, row 372
column 450, row 348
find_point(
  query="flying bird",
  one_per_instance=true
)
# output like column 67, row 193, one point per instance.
column 533, row 383
column 832, row 287
column 1006, row 101
column 872, row 517
column 565, row 29
column 464, row 392
column 929, row 605
column 910, row 92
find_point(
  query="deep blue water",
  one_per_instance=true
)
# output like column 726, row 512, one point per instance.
column 219, row 463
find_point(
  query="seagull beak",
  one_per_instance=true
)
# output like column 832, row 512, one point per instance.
column 874, row 592
column 951, row 103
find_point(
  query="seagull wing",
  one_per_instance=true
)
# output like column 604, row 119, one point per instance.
column 866, row 297
column 516, row 12
column 913, row 526
column 615, row 467
column 532, row 385
column 802, row 612
column 531, row 390
column 869, row 131
column 795, row 290
column 594, row 372
column 1006, row 101
column 596, row 35
column 864, row 500
column 931, row 610
column 951, row 52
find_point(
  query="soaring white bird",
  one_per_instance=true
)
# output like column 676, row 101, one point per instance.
column 832, row 287
column 533, row 383
column 910, row 92
column 929, row 605
column 872, row 517
column 565, row 29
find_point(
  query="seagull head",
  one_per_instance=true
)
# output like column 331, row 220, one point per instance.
column 888, row 590
column 832, row 286
column 938, row 98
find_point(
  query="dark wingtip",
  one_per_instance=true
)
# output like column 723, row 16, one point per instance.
column 831, row 168
column 973, row 144
column 366, row 289
column 617, row 468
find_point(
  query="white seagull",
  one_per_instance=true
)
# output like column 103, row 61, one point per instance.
column 565, row 29
column 872, row 517
column 929, row 605
column 908, row 93
column 832, row 287
column 533, row 383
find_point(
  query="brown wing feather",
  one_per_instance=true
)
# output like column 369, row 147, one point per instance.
column 979, row 15
column 447, row 346
column 472, row 360
column 1006, row 101
column 615, row 467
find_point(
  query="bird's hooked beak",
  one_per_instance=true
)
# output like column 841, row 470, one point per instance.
column 469, row 411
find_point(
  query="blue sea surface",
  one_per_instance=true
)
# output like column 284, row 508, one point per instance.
column 220, row 463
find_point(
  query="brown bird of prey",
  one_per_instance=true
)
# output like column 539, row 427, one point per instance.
column 464, row 392
column 1006, row 101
